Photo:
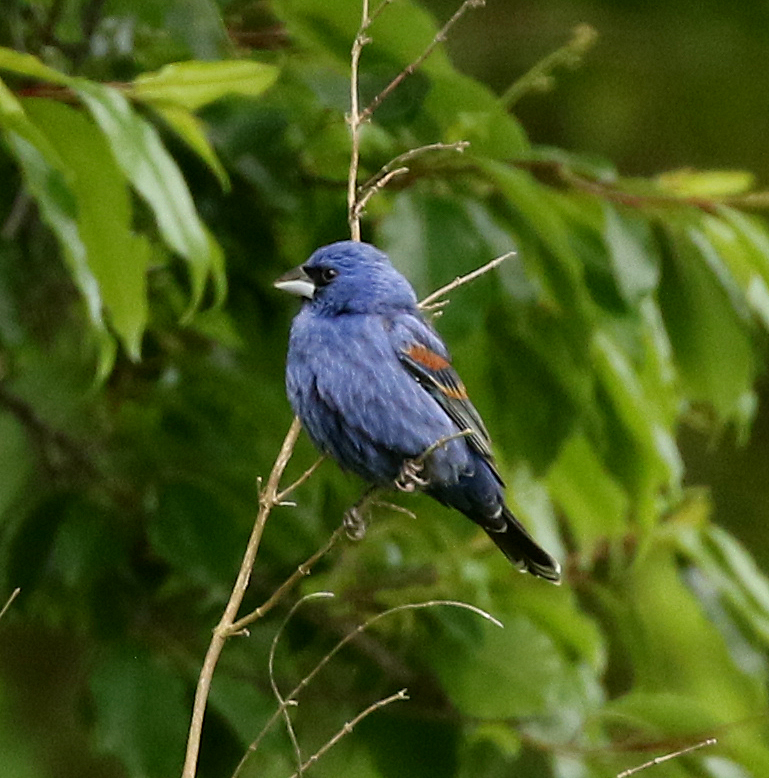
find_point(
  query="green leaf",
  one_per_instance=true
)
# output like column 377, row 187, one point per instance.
column 467, row 111
column 48, row 184
column 635, row 263
column 594, row 502
column 200, row 25
column 706, row 183
column 743, row 245
column 117, row 258
column 13, row 117
column 493, row 673
column 711, row 341
column 152, row 171
column 192, row 85
column 190, row 129
column 557, row 267
column 734, row 574
column 28, row 65
column 642, row 418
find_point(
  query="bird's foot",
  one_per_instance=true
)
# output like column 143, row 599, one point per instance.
column 355, row 523
column 410, row 477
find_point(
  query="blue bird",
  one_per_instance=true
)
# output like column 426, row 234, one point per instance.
column 373, row 386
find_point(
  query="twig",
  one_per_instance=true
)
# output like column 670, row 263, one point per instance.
column 391, row 506
column 291, row 699
column 357, row 198
column 440, row 37
column 539, row 78
column 428, row 302
column 349, row 726
column 281, row 496
column 355, row 121
column 380, row 184
column 400, row 161
column 711, row 741
column 267, row 501
column 282, row 703
column 277, row 595
column 14, row 594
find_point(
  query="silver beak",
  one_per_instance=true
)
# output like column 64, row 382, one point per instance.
column 296, row 282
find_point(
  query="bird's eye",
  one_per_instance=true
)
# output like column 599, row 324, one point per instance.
column 327, row 275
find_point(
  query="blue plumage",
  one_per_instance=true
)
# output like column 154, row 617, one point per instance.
column 373, row 385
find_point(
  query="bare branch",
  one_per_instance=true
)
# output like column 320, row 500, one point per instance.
column 380, row 184
column 284, row 704
column 354, row 119
column 349, row 726
column 397, row 166
column 14, row 594
column 711, row 741
column 267, row 501
column 291, row 698
column 287, row 585
column 429, row 301
column 281, row 496
column 357, row 198
column 391, row 506
column 440, row 37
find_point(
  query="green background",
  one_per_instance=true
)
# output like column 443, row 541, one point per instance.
column 618, row 360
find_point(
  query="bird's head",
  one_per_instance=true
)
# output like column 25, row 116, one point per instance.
column 349, row 277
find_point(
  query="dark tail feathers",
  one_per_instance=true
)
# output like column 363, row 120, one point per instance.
column 522, row 550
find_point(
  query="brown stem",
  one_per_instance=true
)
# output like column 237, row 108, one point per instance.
column 267, row 501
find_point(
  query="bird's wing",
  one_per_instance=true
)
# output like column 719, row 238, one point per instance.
column 430, row 366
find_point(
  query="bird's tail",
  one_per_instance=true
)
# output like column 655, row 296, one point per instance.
column 522, row 550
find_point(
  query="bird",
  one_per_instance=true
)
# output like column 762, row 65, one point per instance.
column 374, row 388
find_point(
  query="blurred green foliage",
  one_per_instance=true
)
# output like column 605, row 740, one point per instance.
column 163, row 162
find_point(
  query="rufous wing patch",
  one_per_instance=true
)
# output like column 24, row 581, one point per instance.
column 441, row 369
column 424, row 356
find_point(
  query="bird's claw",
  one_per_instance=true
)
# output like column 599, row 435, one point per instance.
column 354, row 523
column 410, row 478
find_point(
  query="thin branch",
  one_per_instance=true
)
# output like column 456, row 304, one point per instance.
column 391, row 506
column 711, row 741
column 355, row 121
column 267, row 501
column 14, row 594
column 380, row 184
column 349, row 726
column 440, row 37
column 429, row 301
column 396, row 167
column 540, row 78
column 287, row 585
column 291, row 698
column 281, row 496
column 282, row 703
column 357, row 198
column 407, row 156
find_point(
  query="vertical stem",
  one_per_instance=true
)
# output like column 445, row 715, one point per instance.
column 353, row 214
column 223, row 629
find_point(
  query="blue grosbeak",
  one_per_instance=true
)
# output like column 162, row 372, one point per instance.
column 373, row 385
